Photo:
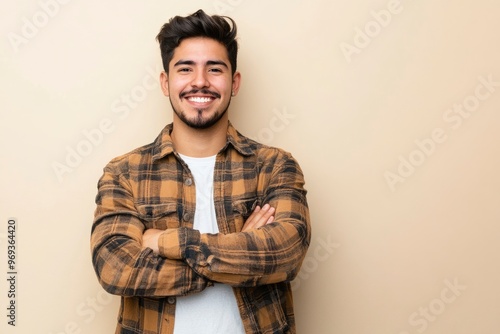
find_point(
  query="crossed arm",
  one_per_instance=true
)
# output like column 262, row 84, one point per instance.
column 258, row 218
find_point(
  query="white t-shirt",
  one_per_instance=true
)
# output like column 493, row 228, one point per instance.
column 214, row 310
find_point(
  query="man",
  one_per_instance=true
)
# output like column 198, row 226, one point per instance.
column 202, row 230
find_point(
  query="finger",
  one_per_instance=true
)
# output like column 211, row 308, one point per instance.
column 251, row 220
column 253, row 217
column 270, row 220
column 266, row 212
column 259, row 217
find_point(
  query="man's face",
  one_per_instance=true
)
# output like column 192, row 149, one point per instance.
column 200, row 83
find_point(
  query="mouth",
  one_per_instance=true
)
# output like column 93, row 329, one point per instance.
column 200, row 98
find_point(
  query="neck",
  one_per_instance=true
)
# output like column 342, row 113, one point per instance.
column 199, row 143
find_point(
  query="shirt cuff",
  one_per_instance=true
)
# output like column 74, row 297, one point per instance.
column 173, row 242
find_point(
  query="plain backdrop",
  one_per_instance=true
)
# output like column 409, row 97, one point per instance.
column 391, row 108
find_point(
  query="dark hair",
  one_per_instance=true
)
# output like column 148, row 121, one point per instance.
column 198, row 24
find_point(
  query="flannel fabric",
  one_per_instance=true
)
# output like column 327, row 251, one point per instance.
column 151, row 187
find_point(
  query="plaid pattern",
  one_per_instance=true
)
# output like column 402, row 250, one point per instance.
column 151, row 187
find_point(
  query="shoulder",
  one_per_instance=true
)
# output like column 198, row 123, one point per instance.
column 145, row 155
column 137, row 154
column 268, row 155
column 127, row 163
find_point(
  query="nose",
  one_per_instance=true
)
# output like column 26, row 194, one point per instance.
column 200, row 79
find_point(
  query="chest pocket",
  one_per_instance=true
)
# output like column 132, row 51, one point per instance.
column 159, row 216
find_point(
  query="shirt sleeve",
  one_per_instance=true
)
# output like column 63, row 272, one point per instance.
column 122, row 266
column 270, row 254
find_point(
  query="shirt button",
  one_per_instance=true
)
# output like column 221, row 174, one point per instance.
column 188, row 182
column 186, row 217
column 171, row 300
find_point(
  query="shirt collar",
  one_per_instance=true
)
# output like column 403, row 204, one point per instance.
column 164, row 146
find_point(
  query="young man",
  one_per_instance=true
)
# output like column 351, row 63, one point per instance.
column 202, row 230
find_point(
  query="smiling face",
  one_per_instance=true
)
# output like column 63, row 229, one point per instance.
column 200, row 82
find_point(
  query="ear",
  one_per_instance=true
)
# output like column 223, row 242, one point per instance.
column 164, row 83
column 236, row 83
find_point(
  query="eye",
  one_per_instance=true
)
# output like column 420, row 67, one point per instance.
column 184, row 69
column 215, row 70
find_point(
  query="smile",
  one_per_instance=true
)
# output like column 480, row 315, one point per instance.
column 199, row 99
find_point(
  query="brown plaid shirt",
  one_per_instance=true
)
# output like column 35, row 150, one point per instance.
column 151, row 187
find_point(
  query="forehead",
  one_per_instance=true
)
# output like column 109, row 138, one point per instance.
column 200, row 50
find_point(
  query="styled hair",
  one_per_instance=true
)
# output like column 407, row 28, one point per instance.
column 198, row 24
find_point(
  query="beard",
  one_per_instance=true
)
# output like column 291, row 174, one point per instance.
column 199, row 122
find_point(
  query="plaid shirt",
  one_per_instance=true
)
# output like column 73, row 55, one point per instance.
column 151, row 187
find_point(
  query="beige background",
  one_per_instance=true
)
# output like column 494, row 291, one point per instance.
column 353, row 98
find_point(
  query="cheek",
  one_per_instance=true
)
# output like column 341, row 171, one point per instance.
column 224, row 90
column 176, row 89
column 178, row 84
column 222, row 83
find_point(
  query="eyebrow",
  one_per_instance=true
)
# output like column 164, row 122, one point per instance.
column 209, row 62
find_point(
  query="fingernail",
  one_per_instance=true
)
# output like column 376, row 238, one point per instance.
column 265, row 207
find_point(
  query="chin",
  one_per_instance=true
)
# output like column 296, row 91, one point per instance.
column 201, row 123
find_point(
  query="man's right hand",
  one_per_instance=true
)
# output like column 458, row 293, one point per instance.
column 259, row 217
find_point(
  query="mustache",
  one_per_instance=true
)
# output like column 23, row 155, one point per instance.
column 198, row 91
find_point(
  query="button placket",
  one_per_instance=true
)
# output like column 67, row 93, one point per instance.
column 188, row 199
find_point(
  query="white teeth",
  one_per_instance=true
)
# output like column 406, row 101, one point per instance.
column 200, row 99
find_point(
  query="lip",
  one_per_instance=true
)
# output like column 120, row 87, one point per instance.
column 200, row 93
